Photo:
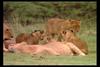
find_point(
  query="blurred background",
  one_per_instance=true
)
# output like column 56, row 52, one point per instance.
column 30, row 13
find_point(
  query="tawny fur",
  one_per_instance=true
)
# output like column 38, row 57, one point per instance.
column 51, row 48
column 55, row 26
column 32, row 38
column 7, row 36
column 69, row 36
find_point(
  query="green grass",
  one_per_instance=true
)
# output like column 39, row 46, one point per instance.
column 24, row 59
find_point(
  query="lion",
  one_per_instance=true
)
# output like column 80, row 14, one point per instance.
column 64, row 48
column 70, row 36
column 8, row 37
column 7, row 31
column 32, row 38
column 55, row 26
column 31, row 49
column 52, row 48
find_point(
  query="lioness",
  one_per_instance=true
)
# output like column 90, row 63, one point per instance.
column 51, row 48
column 7, row 36
column 55, row 26
column 69, row 36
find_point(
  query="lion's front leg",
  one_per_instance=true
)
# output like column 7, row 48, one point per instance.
column 76, row 49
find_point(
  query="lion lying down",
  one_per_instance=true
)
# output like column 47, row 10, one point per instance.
column 52, row 48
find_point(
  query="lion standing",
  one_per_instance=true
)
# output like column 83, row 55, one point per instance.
column 55, row 26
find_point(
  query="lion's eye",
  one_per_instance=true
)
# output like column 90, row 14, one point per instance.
column 72, row 31
column 7, row 29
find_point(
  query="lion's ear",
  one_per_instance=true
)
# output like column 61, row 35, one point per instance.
column 35, row 30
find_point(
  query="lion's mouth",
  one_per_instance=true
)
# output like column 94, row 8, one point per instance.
column 6, row 39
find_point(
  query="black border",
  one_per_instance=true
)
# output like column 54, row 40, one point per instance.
column 1, row 28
